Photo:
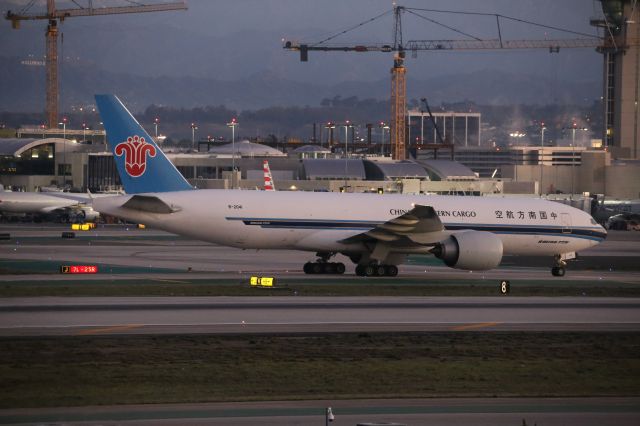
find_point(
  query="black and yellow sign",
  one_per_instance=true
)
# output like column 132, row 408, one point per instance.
column 262, row 281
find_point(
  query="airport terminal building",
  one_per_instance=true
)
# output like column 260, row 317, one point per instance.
column 31, row 163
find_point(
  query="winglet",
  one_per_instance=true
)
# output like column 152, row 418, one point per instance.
column 141, row 164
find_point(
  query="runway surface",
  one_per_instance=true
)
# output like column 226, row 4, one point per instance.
column 619, row 411
column 167, row 315
column 156, row 254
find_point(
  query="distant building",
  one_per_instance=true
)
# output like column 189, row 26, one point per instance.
column 29, row 164
column 621, row 94
column 458, row 128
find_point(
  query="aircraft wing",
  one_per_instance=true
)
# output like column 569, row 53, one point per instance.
column 73, row 196
column 419, row 226
column 51, row 209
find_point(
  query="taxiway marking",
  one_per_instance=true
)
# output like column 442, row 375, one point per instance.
column 474, row 326
column 117, row 328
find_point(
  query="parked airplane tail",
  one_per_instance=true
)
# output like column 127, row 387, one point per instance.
column 268, row 179
column 141, row 164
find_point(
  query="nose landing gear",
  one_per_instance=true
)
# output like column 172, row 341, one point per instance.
column 558, row 270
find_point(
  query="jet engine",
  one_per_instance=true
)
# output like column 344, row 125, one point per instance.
column 89, row 213
column 470, row 250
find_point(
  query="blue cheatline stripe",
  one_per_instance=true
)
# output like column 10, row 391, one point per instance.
column 363, row 225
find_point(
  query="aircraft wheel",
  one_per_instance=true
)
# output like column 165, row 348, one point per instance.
column 329, row 268
column 317, row 268
column 370, row 270
column 307, row 268
column 392, row 270
column 340, row 268
column 558, row 271
column 381, row 270
column 360, row 270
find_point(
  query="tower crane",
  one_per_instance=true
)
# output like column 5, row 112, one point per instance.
column 54, row 16
column 399, row 49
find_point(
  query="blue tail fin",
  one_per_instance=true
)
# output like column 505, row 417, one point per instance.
column 142, row 166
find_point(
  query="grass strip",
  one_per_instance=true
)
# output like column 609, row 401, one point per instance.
column 77, row 371
column 313, row 287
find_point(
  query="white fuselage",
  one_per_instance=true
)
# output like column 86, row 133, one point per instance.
column 320, row 221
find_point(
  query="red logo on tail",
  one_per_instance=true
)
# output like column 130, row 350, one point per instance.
column 135, row 151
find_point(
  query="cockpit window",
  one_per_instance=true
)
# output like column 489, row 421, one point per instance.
column 593, row 221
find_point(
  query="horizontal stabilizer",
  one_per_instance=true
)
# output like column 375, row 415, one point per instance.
column 151, row 204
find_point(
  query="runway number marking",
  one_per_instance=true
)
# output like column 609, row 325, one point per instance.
column 105, row 330
column 474, row 326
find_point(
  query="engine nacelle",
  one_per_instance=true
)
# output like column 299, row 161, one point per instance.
column 470, row 250
column 89, row 213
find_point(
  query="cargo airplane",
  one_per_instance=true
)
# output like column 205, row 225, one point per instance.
column 375, row 232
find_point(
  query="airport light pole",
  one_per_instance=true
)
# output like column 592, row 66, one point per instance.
column 573, row 154
column 64, row 149
column 347, row 125
column 104, row 135
column 233, row 124
column 541, row 152
column 84, row 132
column 330, row 125
column 421, row 126
column 383, row 126
column 156, row 121
column 193, row 135
column 64, row 127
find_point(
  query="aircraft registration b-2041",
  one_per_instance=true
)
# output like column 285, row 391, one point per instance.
column 375, row 232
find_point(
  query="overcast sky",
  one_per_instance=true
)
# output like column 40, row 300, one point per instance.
column 231, row 39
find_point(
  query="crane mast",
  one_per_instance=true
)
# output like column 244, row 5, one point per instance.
column 51, row 79
column 54, row 15
column 398, row 90
column 398, row 107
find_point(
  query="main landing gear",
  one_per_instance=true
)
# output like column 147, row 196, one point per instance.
column 558, row 269
column 323, row 266
column 374, row 270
